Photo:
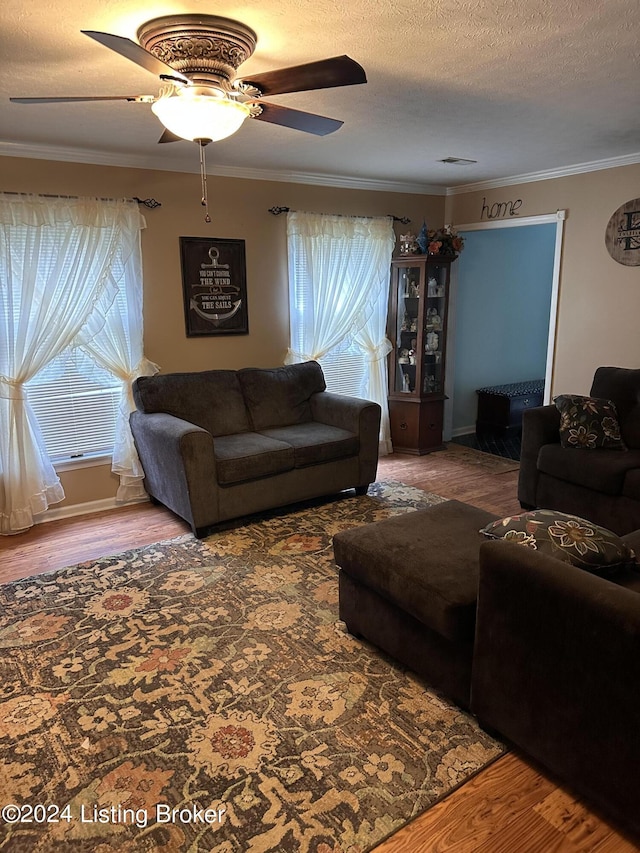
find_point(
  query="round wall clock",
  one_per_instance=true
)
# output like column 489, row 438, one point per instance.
column 622, row 237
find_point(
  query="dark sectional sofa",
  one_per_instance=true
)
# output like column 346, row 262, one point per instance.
column 556, row 669
column 220, row 444
column 545, row 654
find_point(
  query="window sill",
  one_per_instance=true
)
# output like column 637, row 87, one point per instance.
column 82, row 462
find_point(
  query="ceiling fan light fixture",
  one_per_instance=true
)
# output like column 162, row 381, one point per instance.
column 192, row 116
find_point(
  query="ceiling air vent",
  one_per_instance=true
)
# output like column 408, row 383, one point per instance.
column 458, row 161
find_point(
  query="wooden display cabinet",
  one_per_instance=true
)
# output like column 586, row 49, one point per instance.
column 417, row 329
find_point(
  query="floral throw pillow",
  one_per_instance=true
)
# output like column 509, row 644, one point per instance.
column 565, row 537
column 588, row 422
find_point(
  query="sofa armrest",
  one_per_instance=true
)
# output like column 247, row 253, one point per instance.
column 179, row 466
column 540, row 426
column 556, row 668
column 340, row 411
column 358, row 416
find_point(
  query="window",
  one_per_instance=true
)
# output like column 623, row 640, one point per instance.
column 344, row 366
column 345, row 372
column 77, row 414
column 338, row 293
column 76, row 400
column 70, row 344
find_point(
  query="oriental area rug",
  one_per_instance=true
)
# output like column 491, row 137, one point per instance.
column 203, row 696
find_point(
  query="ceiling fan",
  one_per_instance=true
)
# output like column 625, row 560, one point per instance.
column 196, row 58
column 202, row 99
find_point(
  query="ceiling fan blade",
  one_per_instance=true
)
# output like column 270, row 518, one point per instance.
column 168, row 136
column 130, row 50
column 139, row 99
column 323, row 74
column 298, row 120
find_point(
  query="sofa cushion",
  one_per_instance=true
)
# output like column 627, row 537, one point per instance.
column 280, row 396
column 622, row 385
column 314, row 443
column 598, row 469
column 631, row 486
column 211, row 399
column 249, row 455
column 588, row 422
column 567, row 538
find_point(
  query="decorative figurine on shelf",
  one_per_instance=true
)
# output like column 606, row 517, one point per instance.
column 404, row 356
column 409, row 288
column 423, row 239
column 429, row 385
column 405, row 383
column 434, row 321
column 432, row 285
column 433, row 341
column 408, row 245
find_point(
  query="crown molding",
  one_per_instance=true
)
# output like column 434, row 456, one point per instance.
column 144, row 161
column 149, row 161
column 548, row 175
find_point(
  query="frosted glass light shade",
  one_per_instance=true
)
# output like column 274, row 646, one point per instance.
column 193, row 116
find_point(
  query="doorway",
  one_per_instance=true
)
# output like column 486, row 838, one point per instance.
column 503, row 317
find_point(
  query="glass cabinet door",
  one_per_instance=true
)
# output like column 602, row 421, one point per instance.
column 434, row 332
column 408, row 321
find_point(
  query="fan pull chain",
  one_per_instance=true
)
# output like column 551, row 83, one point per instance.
column 203, row 178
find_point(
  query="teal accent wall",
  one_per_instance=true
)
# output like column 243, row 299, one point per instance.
column 505, row 278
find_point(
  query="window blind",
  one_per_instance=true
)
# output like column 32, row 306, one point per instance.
column 76, row 413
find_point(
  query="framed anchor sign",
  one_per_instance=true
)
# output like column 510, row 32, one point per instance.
column 214, row 285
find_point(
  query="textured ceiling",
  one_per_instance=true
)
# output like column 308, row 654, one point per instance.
column 521, row 86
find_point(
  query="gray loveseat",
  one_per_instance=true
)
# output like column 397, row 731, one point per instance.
column 221, row 444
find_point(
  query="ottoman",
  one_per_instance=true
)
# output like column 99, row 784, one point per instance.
column 409, row 585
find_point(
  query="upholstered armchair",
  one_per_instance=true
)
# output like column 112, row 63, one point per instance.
column 597, row 483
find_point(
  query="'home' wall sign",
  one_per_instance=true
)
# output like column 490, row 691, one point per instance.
column 622, row 237
column 500, row 209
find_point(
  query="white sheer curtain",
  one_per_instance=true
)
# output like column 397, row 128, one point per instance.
column 117, row 347
column 55, row 256
column 338, row 293
column 373, row 340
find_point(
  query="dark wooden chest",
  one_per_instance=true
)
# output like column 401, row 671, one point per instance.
column 500, row 407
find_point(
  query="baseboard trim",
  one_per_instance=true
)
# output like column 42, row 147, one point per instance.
column 87, row 508
column 467, row 430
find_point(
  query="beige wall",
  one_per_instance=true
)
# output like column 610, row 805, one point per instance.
column 599, row 299
column 238, row 210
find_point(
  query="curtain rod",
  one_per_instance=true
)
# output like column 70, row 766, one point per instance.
column 278, row 210
column 151, row 203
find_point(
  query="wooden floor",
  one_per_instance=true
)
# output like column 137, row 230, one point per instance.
column 511, row 807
